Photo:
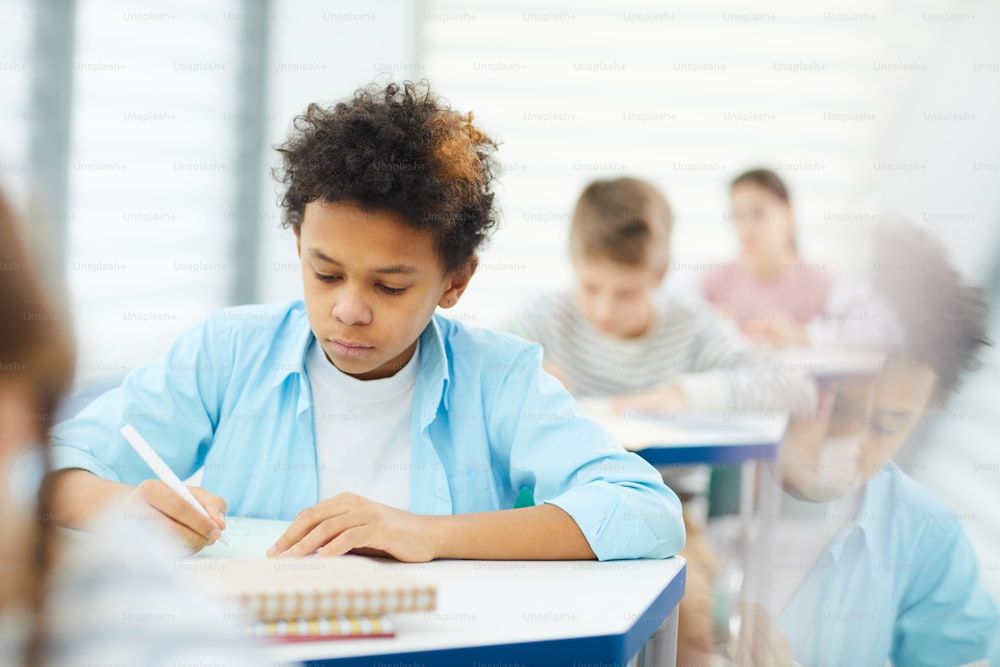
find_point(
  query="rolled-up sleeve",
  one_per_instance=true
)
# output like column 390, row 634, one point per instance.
column 174, row 402
column 617, row 499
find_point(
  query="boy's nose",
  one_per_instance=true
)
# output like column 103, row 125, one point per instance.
column 351, row 309
column 604, row 310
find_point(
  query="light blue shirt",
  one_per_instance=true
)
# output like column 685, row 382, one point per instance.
column 900, row 583
column 232, row 396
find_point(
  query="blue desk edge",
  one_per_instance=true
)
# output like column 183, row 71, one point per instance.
column 601, row 649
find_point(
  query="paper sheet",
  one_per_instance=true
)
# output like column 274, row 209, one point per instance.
column 248, row 538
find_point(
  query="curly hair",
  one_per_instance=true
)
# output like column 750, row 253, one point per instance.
column 398, row 149
column 944, row 319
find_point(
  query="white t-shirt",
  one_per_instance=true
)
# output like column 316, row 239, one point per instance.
column 362, row 430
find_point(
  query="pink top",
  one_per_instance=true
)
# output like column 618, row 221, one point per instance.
column 801, row 292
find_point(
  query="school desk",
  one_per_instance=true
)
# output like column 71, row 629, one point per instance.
column 688, row 439
column 751, row 438
column 553, row 613
column 830, row 362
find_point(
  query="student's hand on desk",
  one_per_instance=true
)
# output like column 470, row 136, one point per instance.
column 664, row 399
column 348, row 522
column 195, row 530
column 776, row 329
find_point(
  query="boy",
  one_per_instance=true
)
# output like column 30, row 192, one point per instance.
column 375, row 424
column 869, row 566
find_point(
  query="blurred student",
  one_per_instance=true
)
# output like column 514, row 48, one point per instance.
column 359, row 414
column 65, row 603
column 868, row 565
column 616, row 335
column 770, row 293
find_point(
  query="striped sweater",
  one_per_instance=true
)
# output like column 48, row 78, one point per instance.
column 687, row 344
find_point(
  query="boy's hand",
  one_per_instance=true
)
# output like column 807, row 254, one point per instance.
column 664, row 399
column 348, row 522
column 195, row 531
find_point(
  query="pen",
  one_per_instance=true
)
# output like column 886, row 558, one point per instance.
column 163, row 471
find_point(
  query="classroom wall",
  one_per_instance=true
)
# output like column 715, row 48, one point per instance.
column 686, row 96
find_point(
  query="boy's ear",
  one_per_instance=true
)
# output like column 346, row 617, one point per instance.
column 458, row 281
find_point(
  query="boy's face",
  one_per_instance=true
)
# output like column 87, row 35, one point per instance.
column 615, row 298
column 860, row 426
column 371, row 285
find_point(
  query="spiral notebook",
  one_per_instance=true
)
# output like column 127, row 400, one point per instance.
column 313, row 629
column 291, row 589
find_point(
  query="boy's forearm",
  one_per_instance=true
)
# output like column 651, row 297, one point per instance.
column 544, row 532
column 77, row 495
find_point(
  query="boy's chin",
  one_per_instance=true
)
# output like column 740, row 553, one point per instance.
column 819, row 493
column 365, row 369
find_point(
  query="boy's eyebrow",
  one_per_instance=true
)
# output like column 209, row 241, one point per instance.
column 395, row 268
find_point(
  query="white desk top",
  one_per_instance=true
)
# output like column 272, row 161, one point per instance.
column 503, row 605
column 689, row 439
column 830, row 362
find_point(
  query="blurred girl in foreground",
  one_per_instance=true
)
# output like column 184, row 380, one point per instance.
column 84, row 601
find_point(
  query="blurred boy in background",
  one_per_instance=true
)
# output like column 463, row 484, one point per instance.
column 869, row 566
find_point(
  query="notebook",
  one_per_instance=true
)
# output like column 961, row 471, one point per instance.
column 637, row 430
column 290, row 589
column 303, row 599
column 248, row 538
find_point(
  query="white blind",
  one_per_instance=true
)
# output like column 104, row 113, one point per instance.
column 15, row 82
column 685, row 95
column 151, row 174
column 321, row 52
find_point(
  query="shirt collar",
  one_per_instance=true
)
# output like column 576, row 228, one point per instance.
column 435, row 375
column 290, row 355
column 876, row 502
column 873, row 504
column 290, row 358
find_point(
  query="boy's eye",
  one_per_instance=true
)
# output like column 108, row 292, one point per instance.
column 395, row 291
column 881, row 428
column 325, row 278
column 886, row 424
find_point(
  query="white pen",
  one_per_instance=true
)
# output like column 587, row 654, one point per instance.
column 163, row 471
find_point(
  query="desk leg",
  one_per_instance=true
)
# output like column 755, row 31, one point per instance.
column 761, row 499
column 661, row 649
